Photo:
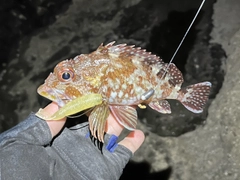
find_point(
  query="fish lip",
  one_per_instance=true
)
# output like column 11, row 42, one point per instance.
column 55, row 95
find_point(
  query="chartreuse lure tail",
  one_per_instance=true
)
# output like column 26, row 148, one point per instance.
column 74, row 106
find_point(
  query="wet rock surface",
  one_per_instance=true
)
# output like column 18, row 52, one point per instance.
column 178, row 146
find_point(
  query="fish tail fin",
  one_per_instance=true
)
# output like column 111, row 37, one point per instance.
column 194, row 97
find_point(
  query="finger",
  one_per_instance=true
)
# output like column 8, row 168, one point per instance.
column 113, row 127
column 51, row 108
column 133, row 141
column 54, row 126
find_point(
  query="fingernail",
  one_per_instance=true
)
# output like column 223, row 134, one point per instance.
column 87, row 135
column 111, row 146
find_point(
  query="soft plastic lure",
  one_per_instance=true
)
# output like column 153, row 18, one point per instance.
column 77, row 105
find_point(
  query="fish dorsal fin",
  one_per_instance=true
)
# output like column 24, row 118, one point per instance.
column 173, row 73
column 125, row 115
column 125, row 51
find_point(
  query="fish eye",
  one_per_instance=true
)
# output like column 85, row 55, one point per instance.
column 66, row 76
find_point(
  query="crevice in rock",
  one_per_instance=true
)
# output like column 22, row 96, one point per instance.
column 166, row 37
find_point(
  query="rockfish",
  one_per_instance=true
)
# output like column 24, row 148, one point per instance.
column 115, row 78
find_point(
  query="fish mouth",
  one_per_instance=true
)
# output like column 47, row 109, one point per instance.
column 55, row 95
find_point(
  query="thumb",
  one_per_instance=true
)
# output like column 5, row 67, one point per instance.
column 54, row 126
column 133, row 141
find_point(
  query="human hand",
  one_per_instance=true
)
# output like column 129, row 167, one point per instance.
column 48, row 150
column 77, row 150
column 132, row 142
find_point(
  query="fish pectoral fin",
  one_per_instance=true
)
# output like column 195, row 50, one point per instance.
column 161, row 106
column 194, row 97
column 125, row 115
column 97, row 121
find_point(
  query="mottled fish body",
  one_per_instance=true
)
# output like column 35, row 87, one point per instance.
column 124, row 76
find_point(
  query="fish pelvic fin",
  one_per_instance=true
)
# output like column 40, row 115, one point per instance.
column 125, row 115
column 194, row 97
column 97, row 121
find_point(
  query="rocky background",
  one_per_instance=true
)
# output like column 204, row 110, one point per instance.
column 36, row 35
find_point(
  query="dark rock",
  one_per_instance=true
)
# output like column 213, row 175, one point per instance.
column 21, row 18
column 42, row 33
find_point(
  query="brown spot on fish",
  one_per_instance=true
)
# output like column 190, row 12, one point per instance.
column 167, row 91
column 54, row 84
column 72, row 92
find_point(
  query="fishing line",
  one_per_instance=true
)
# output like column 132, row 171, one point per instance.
column 79, row 115
column 199, row 9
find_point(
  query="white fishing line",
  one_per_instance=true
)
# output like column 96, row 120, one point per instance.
column 196, row 15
